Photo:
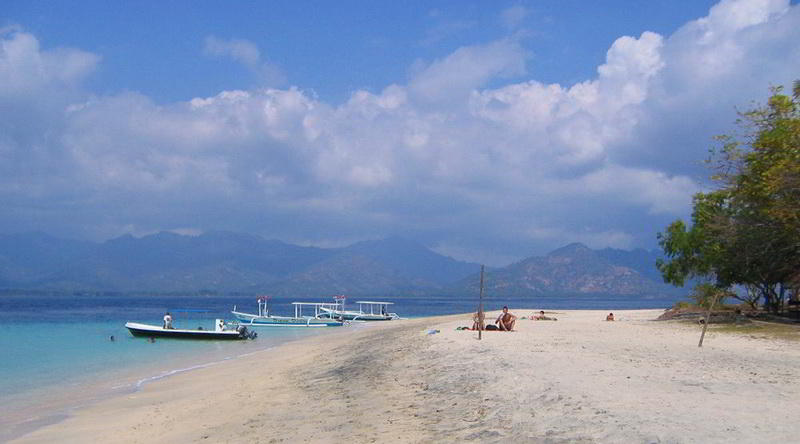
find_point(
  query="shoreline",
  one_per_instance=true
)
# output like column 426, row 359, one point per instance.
column 52, row 403
column 578, row 379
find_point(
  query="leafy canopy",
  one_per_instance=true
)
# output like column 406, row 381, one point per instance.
column 747, row 230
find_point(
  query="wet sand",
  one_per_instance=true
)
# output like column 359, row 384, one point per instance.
column 578, row 379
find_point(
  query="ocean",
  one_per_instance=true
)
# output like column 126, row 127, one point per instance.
column 58, row 352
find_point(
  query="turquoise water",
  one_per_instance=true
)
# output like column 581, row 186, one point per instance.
column 38, row 354
column 57, row 352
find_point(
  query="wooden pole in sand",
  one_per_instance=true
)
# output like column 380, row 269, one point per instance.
column 708, row 317
column 480, row 308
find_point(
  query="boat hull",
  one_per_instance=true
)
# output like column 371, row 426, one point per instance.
column 159, row 332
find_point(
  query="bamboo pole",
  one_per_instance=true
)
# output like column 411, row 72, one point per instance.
column 480, row 308
column 708, row 317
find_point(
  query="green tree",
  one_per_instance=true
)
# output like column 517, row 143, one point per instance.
column 705, row 295
column 747, row 231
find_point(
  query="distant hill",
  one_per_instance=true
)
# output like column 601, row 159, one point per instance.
column 223, row 261
column 643, row 261
column 232, row 262
column 392, row 266
column 577, row 269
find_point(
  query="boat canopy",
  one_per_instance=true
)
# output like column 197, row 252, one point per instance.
column 316, row 306
column 189, row 310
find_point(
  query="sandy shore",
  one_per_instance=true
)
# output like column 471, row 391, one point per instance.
column 578, row 379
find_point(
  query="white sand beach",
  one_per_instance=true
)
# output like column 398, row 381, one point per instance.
column 578, row 379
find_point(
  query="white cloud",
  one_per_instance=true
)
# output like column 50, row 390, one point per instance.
column 492, row 172
column 513, row 16
column 469, row 67
column 248, row 54
column 729, row 16
column 446, row 29
column 26, row 69
column 242, row 51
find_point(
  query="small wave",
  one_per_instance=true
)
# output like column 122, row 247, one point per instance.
column 169, row 373
column 173, row 372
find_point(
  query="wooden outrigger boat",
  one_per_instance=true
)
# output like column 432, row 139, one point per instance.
column 222, row 331
column 367, row 311
column 264, row 319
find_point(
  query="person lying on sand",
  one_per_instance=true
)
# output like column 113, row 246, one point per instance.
column 610, row 317
column 542, row 317
column 506, row 320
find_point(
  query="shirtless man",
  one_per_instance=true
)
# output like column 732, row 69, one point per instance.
column 506, row 320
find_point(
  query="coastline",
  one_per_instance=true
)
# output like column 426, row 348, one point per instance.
column 48, row 404
column 578, row 379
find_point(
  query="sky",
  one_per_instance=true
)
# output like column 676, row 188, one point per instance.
column 488, row 131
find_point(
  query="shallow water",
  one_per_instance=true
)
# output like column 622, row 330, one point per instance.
column 65, row 340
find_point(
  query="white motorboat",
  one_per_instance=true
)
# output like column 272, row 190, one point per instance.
column 222, row 331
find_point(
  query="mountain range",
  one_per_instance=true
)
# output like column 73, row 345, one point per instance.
column 232, row 262
column 577, row 269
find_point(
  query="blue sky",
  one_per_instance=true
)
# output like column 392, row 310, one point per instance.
column 332, row 48
column 489, row 131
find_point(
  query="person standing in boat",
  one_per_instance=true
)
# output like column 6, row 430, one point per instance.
column 168, row 321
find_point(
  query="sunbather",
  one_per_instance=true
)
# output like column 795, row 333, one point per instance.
column 542, row 317
column 506, row 320
column 477, row 321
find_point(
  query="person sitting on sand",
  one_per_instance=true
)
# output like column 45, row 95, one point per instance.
column 506, row 320
column 542, row 317
column 477, row 321
column 168, row 320
column 610, row 317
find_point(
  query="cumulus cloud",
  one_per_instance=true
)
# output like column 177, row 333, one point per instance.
column 26, row 69
column 36, row 86
column 453, row 77
column 486, row 173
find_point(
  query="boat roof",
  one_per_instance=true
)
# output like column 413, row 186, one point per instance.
column 374, row 303
column 189, row 310
column 313, row 303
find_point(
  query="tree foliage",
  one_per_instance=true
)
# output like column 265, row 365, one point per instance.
column 747, row 230
column 706, row 295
